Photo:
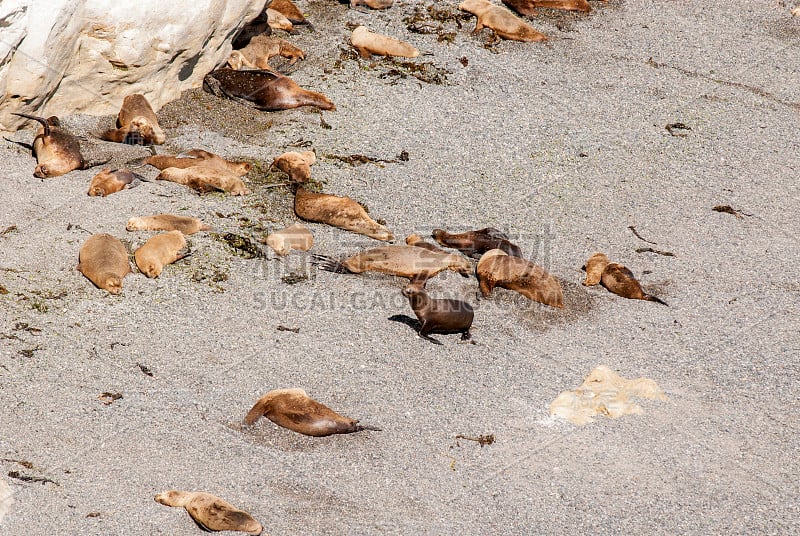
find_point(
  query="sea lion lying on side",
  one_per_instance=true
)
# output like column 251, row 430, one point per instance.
column 263, row 89
column 167, row 222
column 257, row 53
column 402, row 261
column 616, row 278
column 342, row 212
column 528, row 7
column 296, row 164
column 501, row 21
column 211, row 512
column 499, row 269
column 198, row 157
column 108, row 182
column 368, row 43
column 476, row 243
column 57, row 151
column 158, row 251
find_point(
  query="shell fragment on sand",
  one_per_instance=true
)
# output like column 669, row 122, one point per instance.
column 604, row 392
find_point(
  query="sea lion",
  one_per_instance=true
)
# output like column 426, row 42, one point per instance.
column 499, row 269
column 501, row 21
column 278, row 21
column 257, row 53
column 367, row 43
column 160, row 250
column 263, row 89
column 167, row 222
column 621, row 281
column 203, row 178
column 295, row 410
column 402, row 261
column 438, row 315
column 103, row 259
column 594, row 268
column 211, row 512
column 372, row 4
column 476, row 243
column 528, row 7
column 341, row 212
column 295, row 164
column 288, row 10
column 198, row 157
column 137, row 123
column 296, row 236
column 57, row 151
column 108, row 182
column 417, row 241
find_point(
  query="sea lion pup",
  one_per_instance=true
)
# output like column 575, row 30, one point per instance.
column 476, row 243
column 296, row 236
column 57, row 151
column 438, row 315
column 372, row 4
column 279, row 21
column 108, row 182
column 341, row 212
column 263, row 89
column 288, row 10
column 417, row 241
column 499, row 269
column 594, row 268
column 528, row 7
column 621, row 281
column 501, row 21
column 211, row 512
column 198, row 157
column 295, row 410
column 137, row 123
column 295, row 164
column 203, row 178
column 367, row 43
column 402, row 261
column 103, row 259
column 167, row 222
column 257, row 53
column 160, row 250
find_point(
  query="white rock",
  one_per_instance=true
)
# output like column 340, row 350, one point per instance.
column 60, row 57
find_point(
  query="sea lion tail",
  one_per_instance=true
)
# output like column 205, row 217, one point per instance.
column 329, row 265
column 361, row 427
column 648, row 297
column 45, row 123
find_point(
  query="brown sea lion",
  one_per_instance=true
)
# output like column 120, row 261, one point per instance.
column 279, row 21
column 263, row 89
column 288, row 10
column 103, row 259
column 594, row 268
column 158, row 251
column 403, row 261
column 211, row 512
column 528, row 7
column 167, row 222
column 368, row 43
column 476, row 243
column 296, row 236
column 499, row 269
column 295, row 410
column 501, row 21
column 108, row 182
column 438, row 315
column 137, row 123
column 257, row 53
column 203, row 178
column 341, row 212
column 372, row 4
column 296, row 164
column 198, row 157
column 621, row 281
column 417, row 241
column 57, row 151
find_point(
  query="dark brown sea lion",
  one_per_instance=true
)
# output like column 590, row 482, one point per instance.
column 211, row 512
column 417, row 241
column 296, row 164
column 341, row 212
column 501, row 21
column 295, row 410
column 621, row 281
column 158, row 251
column 203, row 178
column 57, row 151
column 439, row 315
column 476, row 243
column 263, row 89
column 402, row 261
column 198, row 157
column 137, row 123
column 167, row 222
column 108, row 182
column 529, row 7
column 498, row 269
column 103, row 259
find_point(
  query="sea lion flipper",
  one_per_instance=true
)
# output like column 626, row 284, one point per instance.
column 329, row 265
column 45, row 123
column 361, row 427
column 650, row 297
column 431, row 339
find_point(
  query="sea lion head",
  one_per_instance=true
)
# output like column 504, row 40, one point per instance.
column 594, row 268
column 151, row 269
column 173, row 498
column 134, row 224
column 149, row 132
column 113, row 284
column 42, row 171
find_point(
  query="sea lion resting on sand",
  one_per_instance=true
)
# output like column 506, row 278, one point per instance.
column 203, row 178
column 167, row 222
column 57, row 151
column 499, row 269
column 211, row 512
column 616, row 278
column 263, row 89
column 528, row 7
column 137, row 123
column 108, row 182
column 295, row 410
column 103, row 259
column 158, row 251
column 198, row 157
column 296, row 164
column 402, row 261
column 257, row 53
column 341, row 212
column 501, row 21
column 296, row 236
column 476, row 243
